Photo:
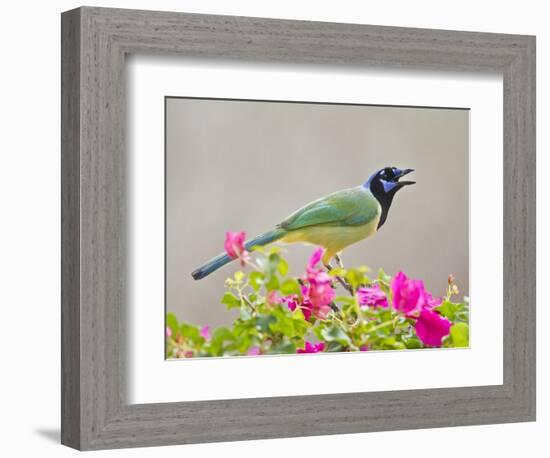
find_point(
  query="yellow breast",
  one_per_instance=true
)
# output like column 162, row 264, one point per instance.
column 333, row 238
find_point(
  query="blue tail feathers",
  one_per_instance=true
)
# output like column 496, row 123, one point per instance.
column 211, row 266
column 222, row 259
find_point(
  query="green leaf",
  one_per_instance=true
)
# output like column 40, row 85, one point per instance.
column 460, row 335
column 332, row 347
column 283, row 347
column 172, row 324
column 283, row 323
column 245, row 313
column 263, row 321
column 290, row 324
column 383, row 277
column 282, row 267
column 447, row 309
column 284, row 326
column 335, row 333
column 338, row 272
column 412, row 342
column 355, row 278
column 385, row 314
column 385, row 288
column 190, row 332
column 230, row 300
column 345, row 299
column 272, row 283
column 256, row 279
column 454, row 311
column 221, row 336
column 289, row 287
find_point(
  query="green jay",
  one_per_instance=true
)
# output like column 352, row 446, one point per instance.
column 333, row 222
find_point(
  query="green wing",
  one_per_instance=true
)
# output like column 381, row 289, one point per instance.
column 349, row 207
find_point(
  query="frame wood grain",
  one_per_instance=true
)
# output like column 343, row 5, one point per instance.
column 95, row 412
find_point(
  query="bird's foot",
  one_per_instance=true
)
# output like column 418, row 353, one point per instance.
column 345, row 285
column 340, row 280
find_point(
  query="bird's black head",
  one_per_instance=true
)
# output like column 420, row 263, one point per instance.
column 384, row 184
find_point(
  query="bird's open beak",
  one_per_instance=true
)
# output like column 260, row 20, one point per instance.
column 402, row 174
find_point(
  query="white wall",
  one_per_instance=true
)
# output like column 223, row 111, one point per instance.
column 29, row 237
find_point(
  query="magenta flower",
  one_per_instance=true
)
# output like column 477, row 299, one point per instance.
column 409, row 296
column 372, row 296
column 364, row 348
column 317, row 297
column 431, row 327
column 234, row 246
column 205, row 332
column 431, row 301
column 253, row 351
column 318, row 290
column 293, row 302
column 315, row 258
column 311, row 348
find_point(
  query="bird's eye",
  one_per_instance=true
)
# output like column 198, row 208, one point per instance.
column 387, row 173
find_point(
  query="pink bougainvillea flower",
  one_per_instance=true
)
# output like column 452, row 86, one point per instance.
column 205, row 332
column 234, row 246
column 307, row 308
column 409, row 296
column 293, row 302
column 273, row 298
column 168, row 332
column 315, row 258
column 316, row 299
column 372, row 296
column 318, row 296
column 364, row 348
column 318, row 290
column 311, row 348
column 253, row 351
column 431, row 327
column 234, row 243
column 431, row 301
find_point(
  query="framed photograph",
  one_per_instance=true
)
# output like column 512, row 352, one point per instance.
column 278, row 228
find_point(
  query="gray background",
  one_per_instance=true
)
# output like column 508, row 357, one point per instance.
column 245, row 165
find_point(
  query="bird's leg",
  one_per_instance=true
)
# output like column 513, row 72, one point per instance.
column 347, row 286
column 339, row 279
column 339, row 261
column 344, row 284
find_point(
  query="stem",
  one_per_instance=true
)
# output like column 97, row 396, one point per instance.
column 244, row 300
column 334, row 316
column 383, row 325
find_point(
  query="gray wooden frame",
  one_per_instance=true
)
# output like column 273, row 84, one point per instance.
column 95, row 41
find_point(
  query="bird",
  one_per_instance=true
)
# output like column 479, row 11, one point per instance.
column 333, row 222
